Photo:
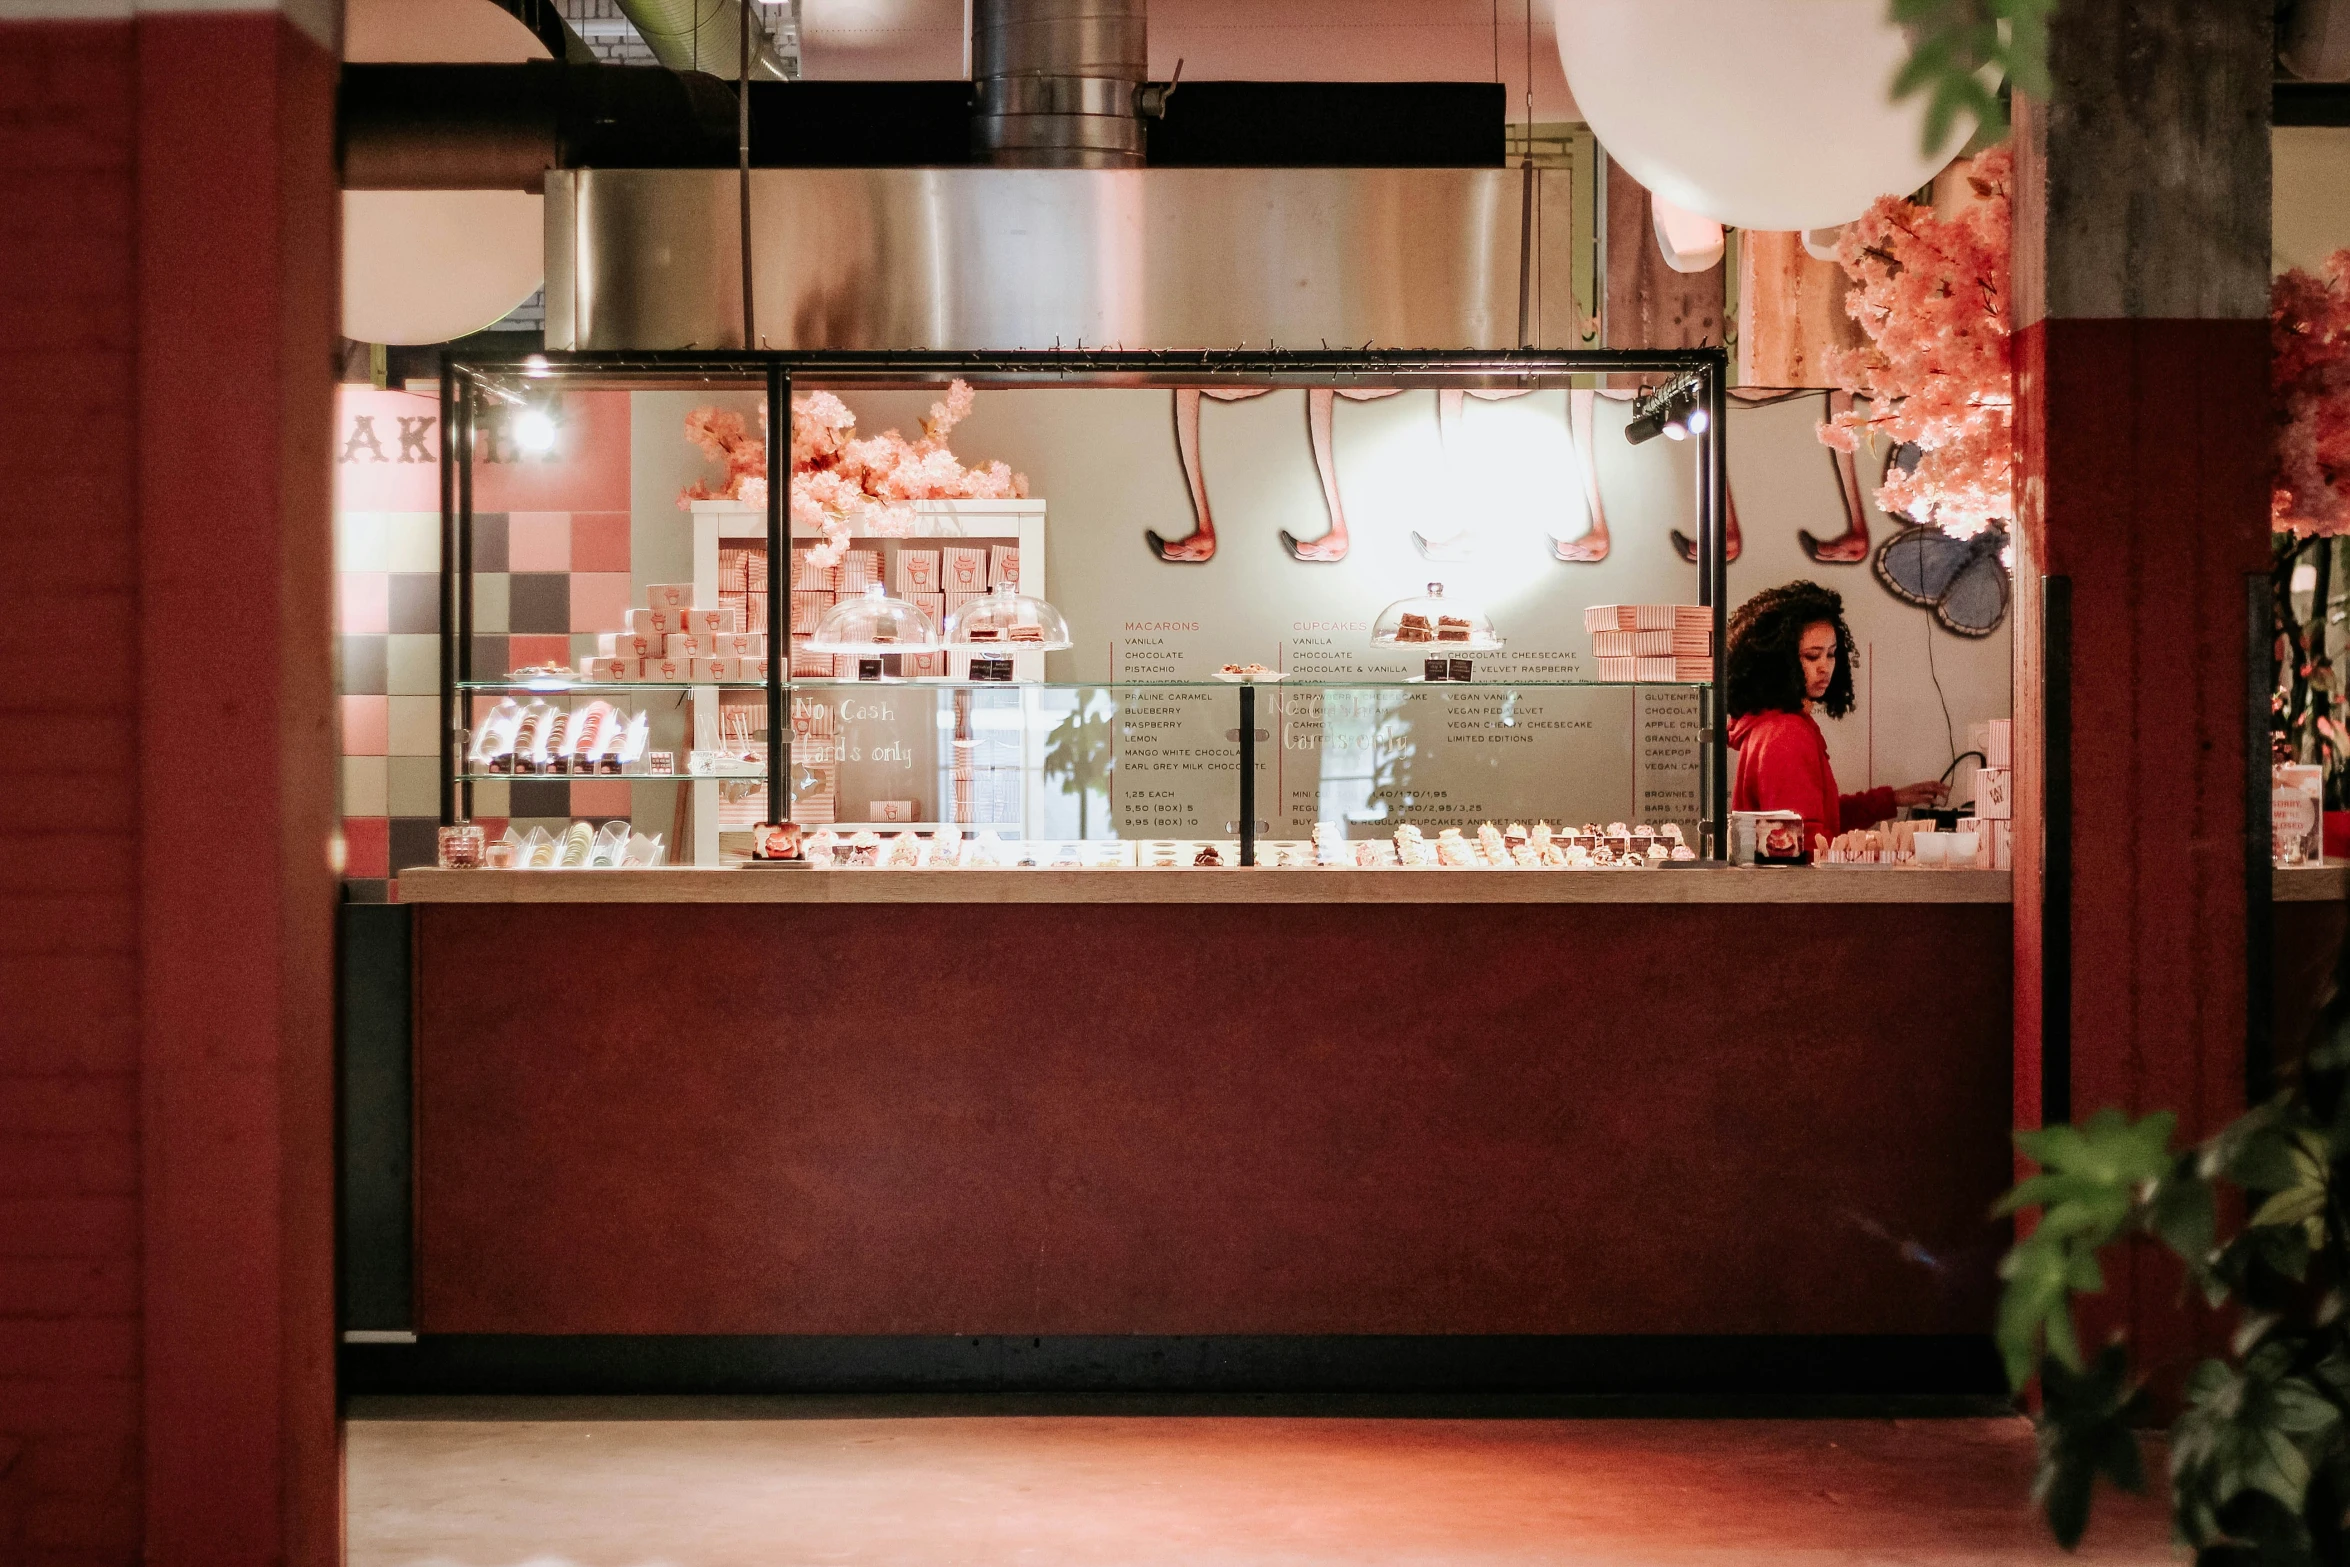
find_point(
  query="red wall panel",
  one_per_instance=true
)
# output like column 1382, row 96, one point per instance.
column 2142, row 449
column 1192, row 1120
column 69, row 1023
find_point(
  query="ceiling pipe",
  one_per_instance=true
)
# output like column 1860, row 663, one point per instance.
column 502, row 127
column 703, row 35
column 1060, row 84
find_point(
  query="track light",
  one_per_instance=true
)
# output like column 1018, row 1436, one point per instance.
column 1672, row 411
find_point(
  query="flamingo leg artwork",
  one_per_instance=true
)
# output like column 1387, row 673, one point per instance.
column 1199, row 545
column 1321, row 406
column 1591, row 546
column 1461, row 542
column 1850, row 547
column 1732, row 541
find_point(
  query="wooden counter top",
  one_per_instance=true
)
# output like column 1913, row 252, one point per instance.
column 683, row 885
column 2311, row 884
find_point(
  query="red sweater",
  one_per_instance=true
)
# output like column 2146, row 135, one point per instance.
column 1783, row 766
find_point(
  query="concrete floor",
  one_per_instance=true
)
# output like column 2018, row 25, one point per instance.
column 733, row 1483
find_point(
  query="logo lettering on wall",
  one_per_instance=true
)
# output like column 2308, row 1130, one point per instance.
column 412, row 434
column 414, row 439
column 494, row 441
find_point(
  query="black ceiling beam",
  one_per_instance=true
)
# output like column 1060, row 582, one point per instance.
column 2310, row 103
column 1332, row 125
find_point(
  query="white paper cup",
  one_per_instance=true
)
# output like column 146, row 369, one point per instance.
column 1933, row 848
column 1963, row 847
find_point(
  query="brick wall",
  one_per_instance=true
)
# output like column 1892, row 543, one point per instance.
column 166, row 1336
column 69, row 910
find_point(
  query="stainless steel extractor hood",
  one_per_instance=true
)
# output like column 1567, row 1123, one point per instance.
column 969, row 258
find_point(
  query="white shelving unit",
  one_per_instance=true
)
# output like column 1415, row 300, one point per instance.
column 937, row 522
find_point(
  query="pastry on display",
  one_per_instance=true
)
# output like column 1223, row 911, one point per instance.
column 1487, row 847
column 581, row 846
column 1452, row 628
column 543, row 739
column 1414, row 628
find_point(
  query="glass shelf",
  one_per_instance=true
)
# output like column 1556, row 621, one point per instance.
column 550, row 687
column 944, row 683
column 1398, row 683
column 758, row 777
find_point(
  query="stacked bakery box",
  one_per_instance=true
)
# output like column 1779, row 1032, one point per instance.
column 1662, row 643
column 742, row 585
column 1994, row 817
column 934, row 576
column 671, row 641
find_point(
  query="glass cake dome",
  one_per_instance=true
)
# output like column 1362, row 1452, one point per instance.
column 872, row 622
column 1009, row 620
column 1435, row 624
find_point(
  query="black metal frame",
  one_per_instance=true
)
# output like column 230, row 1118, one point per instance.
column 464, row 380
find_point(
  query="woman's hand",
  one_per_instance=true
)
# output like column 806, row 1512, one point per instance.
column 1921, row 794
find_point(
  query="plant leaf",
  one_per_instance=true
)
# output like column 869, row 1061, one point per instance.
column 2086, row 1426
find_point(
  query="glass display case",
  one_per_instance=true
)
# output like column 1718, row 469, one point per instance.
column 943, row 683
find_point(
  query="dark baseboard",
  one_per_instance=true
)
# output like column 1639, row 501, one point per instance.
column 1875, row 1369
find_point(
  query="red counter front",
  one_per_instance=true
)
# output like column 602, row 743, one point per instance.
column 804, row 1109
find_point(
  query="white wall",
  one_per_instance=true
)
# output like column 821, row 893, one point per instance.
column 1106, row 461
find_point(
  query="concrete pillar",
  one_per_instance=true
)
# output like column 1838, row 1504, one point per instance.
column 2141, row 296
column 1643, row 302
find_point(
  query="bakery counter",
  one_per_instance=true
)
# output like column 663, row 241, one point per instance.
column 2311, row 884
column 1674, row 885
column 1250, row 1103
column 2308, row 921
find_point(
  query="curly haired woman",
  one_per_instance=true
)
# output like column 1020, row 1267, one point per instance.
column 1791, row 653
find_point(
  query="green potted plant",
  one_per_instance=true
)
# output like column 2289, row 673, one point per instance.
column 2259, row 1454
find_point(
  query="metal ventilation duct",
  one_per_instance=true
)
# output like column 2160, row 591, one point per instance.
column 1057, row 83
column 1034, row 258
column 702, row 35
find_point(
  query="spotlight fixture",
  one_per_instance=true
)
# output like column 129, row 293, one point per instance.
column 534, row 430
column 1672, row 411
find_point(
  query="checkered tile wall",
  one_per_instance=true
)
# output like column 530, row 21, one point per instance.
column 544, row 584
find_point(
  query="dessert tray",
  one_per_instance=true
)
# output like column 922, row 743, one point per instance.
column 1490, row 847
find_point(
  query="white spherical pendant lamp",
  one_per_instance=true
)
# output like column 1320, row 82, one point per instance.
column 1763, row 114
column 425, row 266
